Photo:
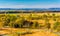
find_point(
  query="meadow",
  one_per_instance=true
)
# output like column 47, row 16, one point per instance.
column 30, row 24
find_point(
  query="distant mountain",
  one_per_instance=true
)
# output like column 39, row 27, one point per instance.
column 35, row 9
column 54, row 9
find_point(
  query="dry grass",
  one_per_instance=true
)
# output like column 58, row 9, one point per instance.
column 35, row 32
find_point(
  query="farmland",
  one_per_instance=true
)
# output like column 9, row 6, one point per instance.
column 30, row 24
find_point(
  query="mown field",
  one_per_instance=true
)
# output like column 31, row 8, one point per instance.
column 30, row 24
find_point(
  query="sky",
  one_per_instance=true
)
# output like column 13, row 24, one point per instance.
column 29, row 3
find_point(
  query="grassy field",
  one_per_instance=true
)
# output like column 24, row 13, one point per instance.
column 29, row 32
column 30, row 24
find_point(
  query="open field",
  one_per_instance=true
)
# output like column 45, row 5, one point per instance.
column 28, row 32
column 30, row 24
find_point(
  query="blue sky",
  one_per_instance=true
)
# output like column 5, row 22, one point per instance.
column 29, row 3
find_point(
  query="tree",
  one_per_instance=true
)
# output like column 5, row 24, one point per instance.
column 48, row 25
column 9, row 20
column 57, row 26
column 35, row 25
column 19, row 22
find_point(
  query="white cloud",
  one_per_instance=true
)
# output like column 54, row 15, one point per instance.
column 29, row 6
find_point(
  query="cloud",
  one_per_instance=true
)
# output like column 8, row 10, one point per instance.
column 30, row 6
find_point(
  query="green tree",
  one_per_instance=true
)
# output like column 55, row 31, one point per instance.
column 57, row 26
column 35, row 25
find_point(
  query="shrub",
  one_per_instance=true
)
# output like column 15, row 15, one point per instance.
column 57, row 26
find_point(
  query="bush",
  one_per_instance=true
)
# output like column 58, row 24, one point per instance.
column 57, row 26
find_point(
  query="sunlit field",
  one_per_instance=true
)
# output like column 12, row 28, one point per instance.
column 30, row 24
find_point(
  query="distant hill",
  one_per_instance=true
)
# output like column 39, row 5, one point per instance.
column 54, row 9
column 35, row 9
